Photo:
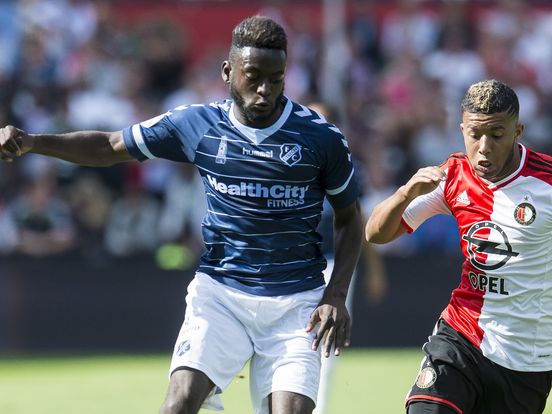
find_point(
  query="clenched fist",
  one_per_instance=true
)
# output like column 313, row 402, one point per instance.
column 13, row 143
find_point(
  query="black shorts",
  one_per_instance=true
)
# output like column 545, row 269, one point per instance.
column 455, row 373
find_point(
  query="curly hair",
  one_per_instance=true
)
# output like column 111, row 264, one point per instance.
column 490, row 97
column 259, row 32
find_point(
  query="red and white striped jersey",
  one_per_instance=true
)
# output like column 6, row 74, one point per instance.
column 504, row 301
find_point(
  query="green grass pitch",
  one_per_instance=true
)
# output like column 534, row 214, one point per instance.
column 378, row 379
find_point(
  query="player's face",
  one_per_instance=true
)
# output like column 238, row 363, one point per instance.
column 256, row 78
column 491, row 143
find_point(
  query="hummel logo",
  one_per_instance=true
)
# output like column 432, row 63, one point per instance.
column 463, row 198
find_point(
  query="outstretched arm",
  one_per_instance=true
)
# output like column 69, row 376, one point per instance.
column 91, row 148
column 384, row 224
column 331, row 313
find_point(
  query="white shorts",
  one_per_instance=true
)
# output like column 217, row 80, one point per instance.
column 224, row 328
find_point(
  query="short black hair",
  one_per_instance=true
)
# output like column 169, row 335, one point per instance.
column 490, row 97
column 259, row 32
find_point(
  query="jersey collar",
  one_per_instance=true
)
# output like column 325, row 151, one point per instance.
column 257, row 136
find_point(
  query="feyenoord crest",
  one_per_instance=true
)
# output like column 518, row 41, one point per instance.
column 290, row 153
column 426, row 378
column 525, row 214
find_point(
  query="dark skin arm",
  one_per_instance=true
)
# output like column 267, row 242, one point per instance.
column 331, row 314
column 90, row 148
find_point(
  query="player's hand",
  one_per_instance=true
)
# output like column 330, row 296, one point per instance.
column 13, row 143
column 334, row 326
column 424, row 181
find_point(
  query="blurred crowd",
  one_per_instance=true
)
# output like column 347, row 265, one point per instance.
column 402, row 69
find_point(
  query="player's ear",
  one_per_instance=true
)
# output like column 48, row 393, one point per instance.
column 519, row 131
column 225, row 70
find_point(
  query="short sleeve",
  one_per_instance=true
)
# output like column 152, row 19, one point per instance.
column 338, row 177
column 424, row 207
column 174, row 135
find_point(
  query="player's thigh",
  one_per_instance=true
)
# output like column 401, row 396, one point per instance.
column 211, row 340
column 513, row 392
column 284, row 402
column 422, row 407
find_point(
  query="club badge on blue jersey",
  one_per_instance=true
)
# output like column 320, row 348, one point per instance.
column 290, row 153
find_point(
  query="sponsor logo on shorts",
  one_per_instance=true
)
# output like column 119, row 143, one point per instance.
column 183, row 347
column 426, row 378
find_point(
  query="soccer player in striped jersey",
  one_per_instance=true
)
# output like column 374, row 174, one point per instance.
column 267, row 164
column 491, row 350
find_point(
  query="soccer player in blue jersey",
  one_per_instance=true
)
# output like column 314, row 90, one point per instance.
column 267, row 164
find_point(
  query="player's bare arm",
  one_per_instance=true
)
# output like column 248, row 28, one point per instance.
column 384, row 224
column 331, row 315
column 90, row 148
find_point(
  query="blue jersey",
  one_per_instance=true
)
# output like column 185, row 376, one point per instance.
column 265, row 189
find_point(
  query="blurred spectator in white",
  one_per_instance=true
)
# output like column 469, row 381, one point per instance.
column 453, row 63
column 504, row 20
column 399, row 91
column 131, row 227
column 34, row 85
column 409, row 28
column 532, row 47
column 433, row 139
column 62, row 25
column 106, row 78
column 366, row 57
column 302, row 58
column 93, row 109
